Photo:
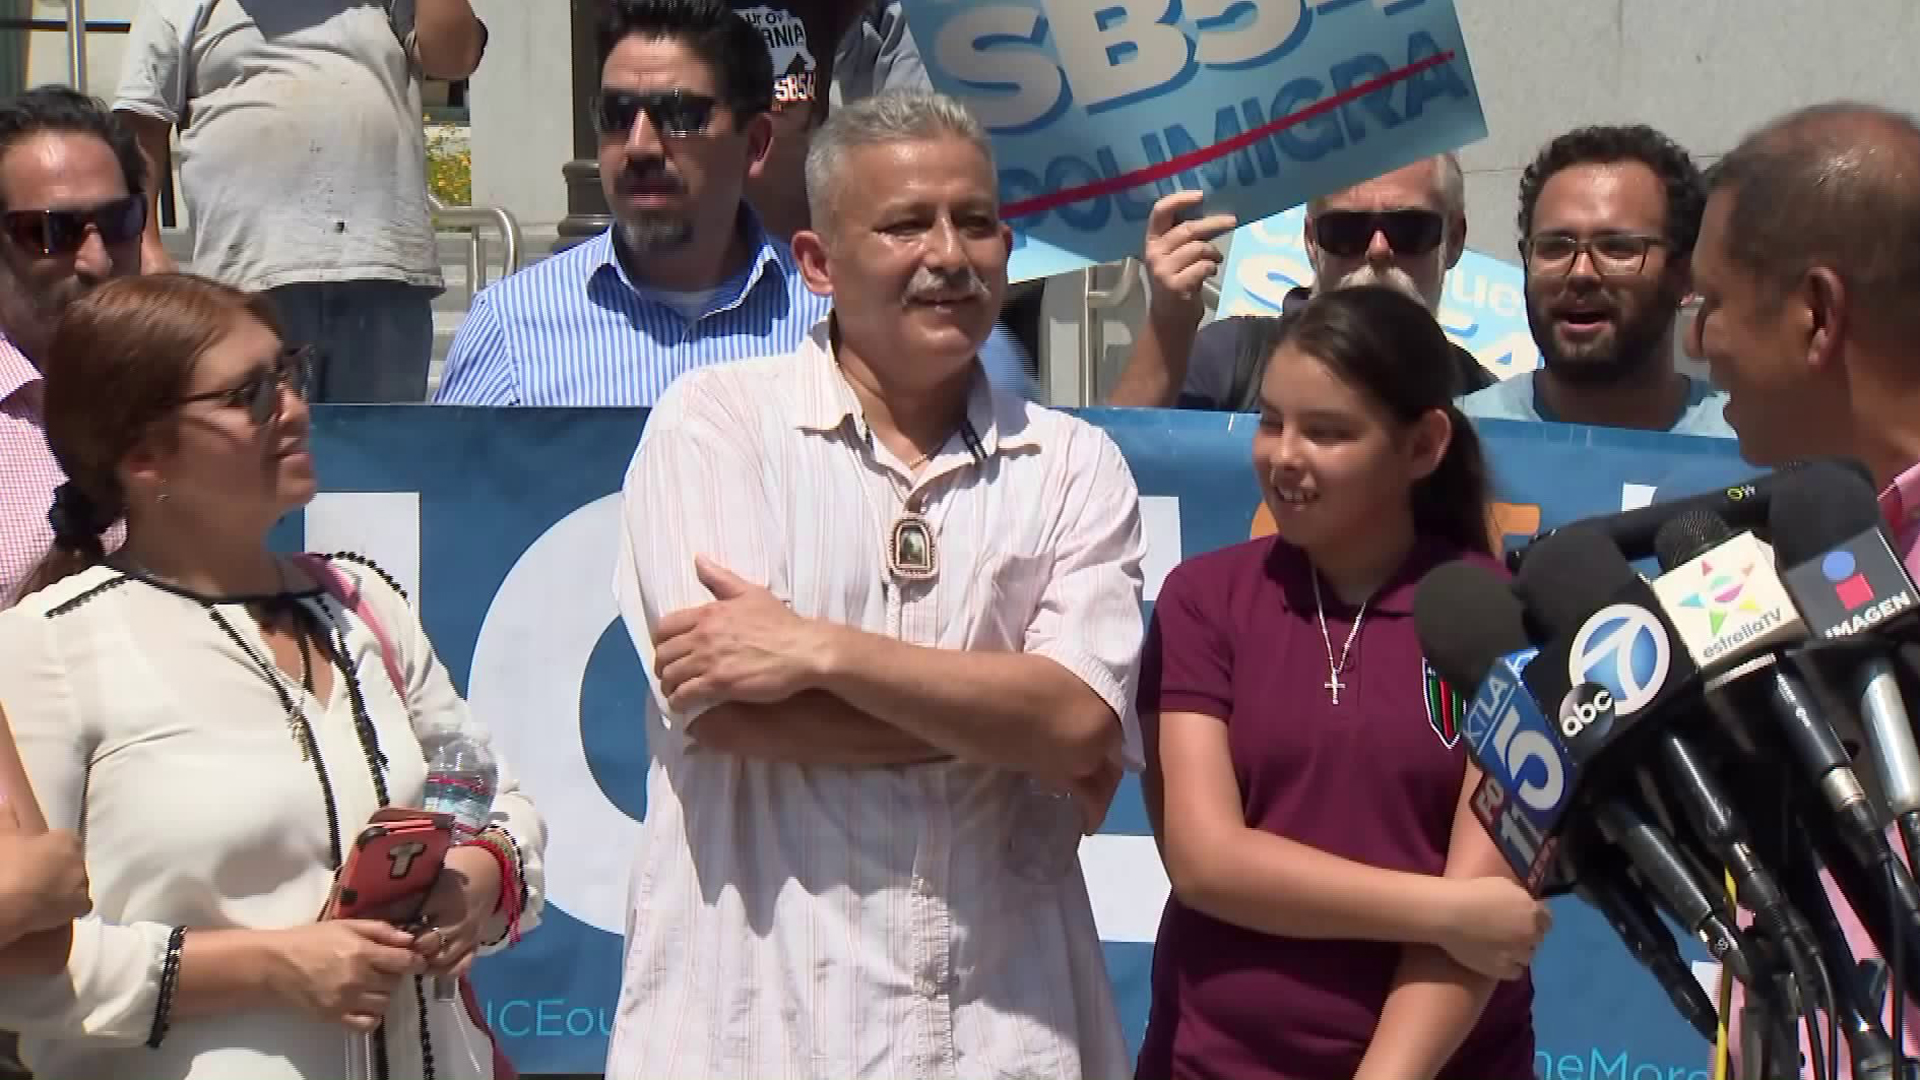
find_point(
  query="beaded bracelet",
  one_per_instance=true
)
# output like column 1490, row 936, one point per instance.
column 169, row 982
column 513, row 884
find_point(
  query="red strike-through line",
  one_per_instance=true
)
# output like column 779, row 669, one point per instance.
column 1195, row 158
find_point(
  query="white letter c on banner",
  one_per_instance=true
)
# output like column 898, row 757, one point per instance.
column 528, row 666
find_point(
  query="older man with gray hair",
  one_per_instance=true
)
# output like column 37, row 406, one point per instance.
column 1405, row 229
column 892, row 624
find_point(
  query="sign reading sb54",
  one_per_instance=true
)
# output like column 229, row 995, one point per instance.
column 1526, row 776
column 1099, row 107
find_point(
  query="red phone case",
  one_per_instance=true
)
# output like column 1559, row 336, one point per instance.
column 394, row 858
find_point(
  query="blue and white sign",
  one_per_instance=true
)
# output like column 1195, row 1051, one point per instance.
column 1098, row 109
column 1484, row 308
column 503, row 525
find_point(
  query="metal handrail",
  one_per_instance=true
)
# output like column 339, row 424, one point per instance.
column 77, row 44
column 472, row 220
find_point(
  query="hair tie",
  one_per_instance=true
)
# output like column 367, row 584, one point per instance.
column 75, row 520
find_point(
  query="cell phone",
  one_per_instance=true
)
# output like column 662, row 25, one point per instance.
column 395, row 858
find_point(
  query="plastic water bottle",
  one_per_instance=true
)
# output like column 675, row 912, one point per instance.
column 461, row 776
column 460, row 780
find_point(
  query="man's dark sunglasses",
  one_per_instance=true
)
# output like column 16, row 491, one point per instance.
column 259, row 393
column 61, row 232
column 675, row 113
column 1348, row 233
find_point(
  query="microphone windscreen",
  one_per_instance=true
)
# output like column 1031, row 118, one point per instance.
column 1568, row 576
column 1466, row 618
column 1689, row 536
column 1819, row 509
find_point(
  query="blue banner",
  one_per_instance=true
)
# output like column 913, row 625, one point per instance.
column 502, row 525
column 1098, row 109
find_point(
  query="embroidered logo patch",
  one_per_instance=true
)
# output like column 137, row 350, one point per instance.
column 1444, row 707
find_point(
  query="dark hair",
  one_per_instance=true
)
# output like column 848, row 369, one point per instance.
column 730, row 45
column 122, row 358
column 1609, row 144
column 60, row 109
column 1833, row 186
column 1387, row 344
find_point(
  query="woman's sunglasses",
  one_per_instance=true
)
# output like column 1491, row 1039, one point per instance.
column 1348, row 233
column 46, row 233
column 259, row 393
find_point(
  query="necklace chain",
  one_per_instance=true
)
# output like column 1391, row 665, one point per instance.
column 301, row 729
column 1334, row 668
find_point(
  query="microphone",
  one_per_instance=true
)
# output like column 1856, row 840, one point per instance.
column 1612, row 661
column 1469, row 623
column 1610, row 647
column 1469, row 627
column 1741, row 505
column 1603, row 883
column 1724, row 603
column 1719, row 592
column 1844, row 576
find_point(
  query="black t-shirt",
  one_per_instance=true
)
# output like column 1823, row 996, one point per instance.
column 1223, row 377
column 802, row 36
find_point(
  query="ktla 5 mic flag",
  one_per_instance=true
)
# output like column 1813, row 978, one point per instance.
column 1484, row 307
column 1099, row 107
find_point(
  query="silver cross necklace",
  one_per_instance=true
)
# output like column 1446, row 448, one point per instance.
column 1334, row 668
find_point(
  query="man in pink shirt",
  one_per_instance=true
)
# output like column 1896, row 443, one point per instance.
column 1808, row 269
column 71, row 215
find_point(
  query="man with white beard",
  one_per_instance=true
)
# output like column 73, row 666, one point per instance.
column 1405, row 229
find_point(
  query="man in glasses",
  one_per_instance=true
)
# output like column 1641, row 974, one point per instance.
column 1608, row 217
column 303, row 164
column 71, row 211
column 686, row 276
column 1405, row 229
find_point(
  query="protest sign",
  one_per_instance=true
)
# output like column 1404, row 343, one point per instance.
column 1096, row 109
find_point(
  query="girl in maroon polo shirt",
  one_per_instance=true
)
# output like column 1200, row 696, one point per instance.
column 1337, row 911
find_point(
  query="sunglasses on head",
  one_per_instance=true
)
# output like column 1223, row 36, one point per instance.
column 675, row 113
column 1348, row 233
column 259, row 393
column 61, row 232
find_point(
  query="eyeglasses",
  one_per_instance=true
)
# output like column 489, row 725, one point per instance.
column 1612, row 254
column 61, row 232
column 1348, row 233
column 675, row 113
column 259, row 393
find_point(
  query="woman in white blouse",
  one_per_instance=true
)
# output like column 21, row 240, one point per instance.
column 218, row 728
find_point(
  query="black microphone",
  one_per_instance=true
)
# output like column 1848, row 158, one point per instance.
column 1608, row 629
column 1847, row 583
column 1600, row 878
column 1818, row 952
column 1742, row 505
column 1469, row 627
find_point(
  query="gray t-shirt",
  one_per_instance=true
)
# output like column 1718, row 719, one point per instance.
column 1518, row 398
column 303, row 157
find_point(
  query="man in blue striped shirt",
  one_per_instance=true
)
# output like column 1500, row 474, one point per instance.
column 686, row 277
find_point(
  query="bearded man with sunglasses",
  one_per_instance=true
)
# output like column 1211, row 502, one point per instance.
column 71, row 214
column 1608, row 218
column 687, row 276
column 1406, row 229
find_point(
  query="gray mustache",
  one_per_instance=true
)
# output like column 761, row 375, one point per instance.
column 927, row 283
